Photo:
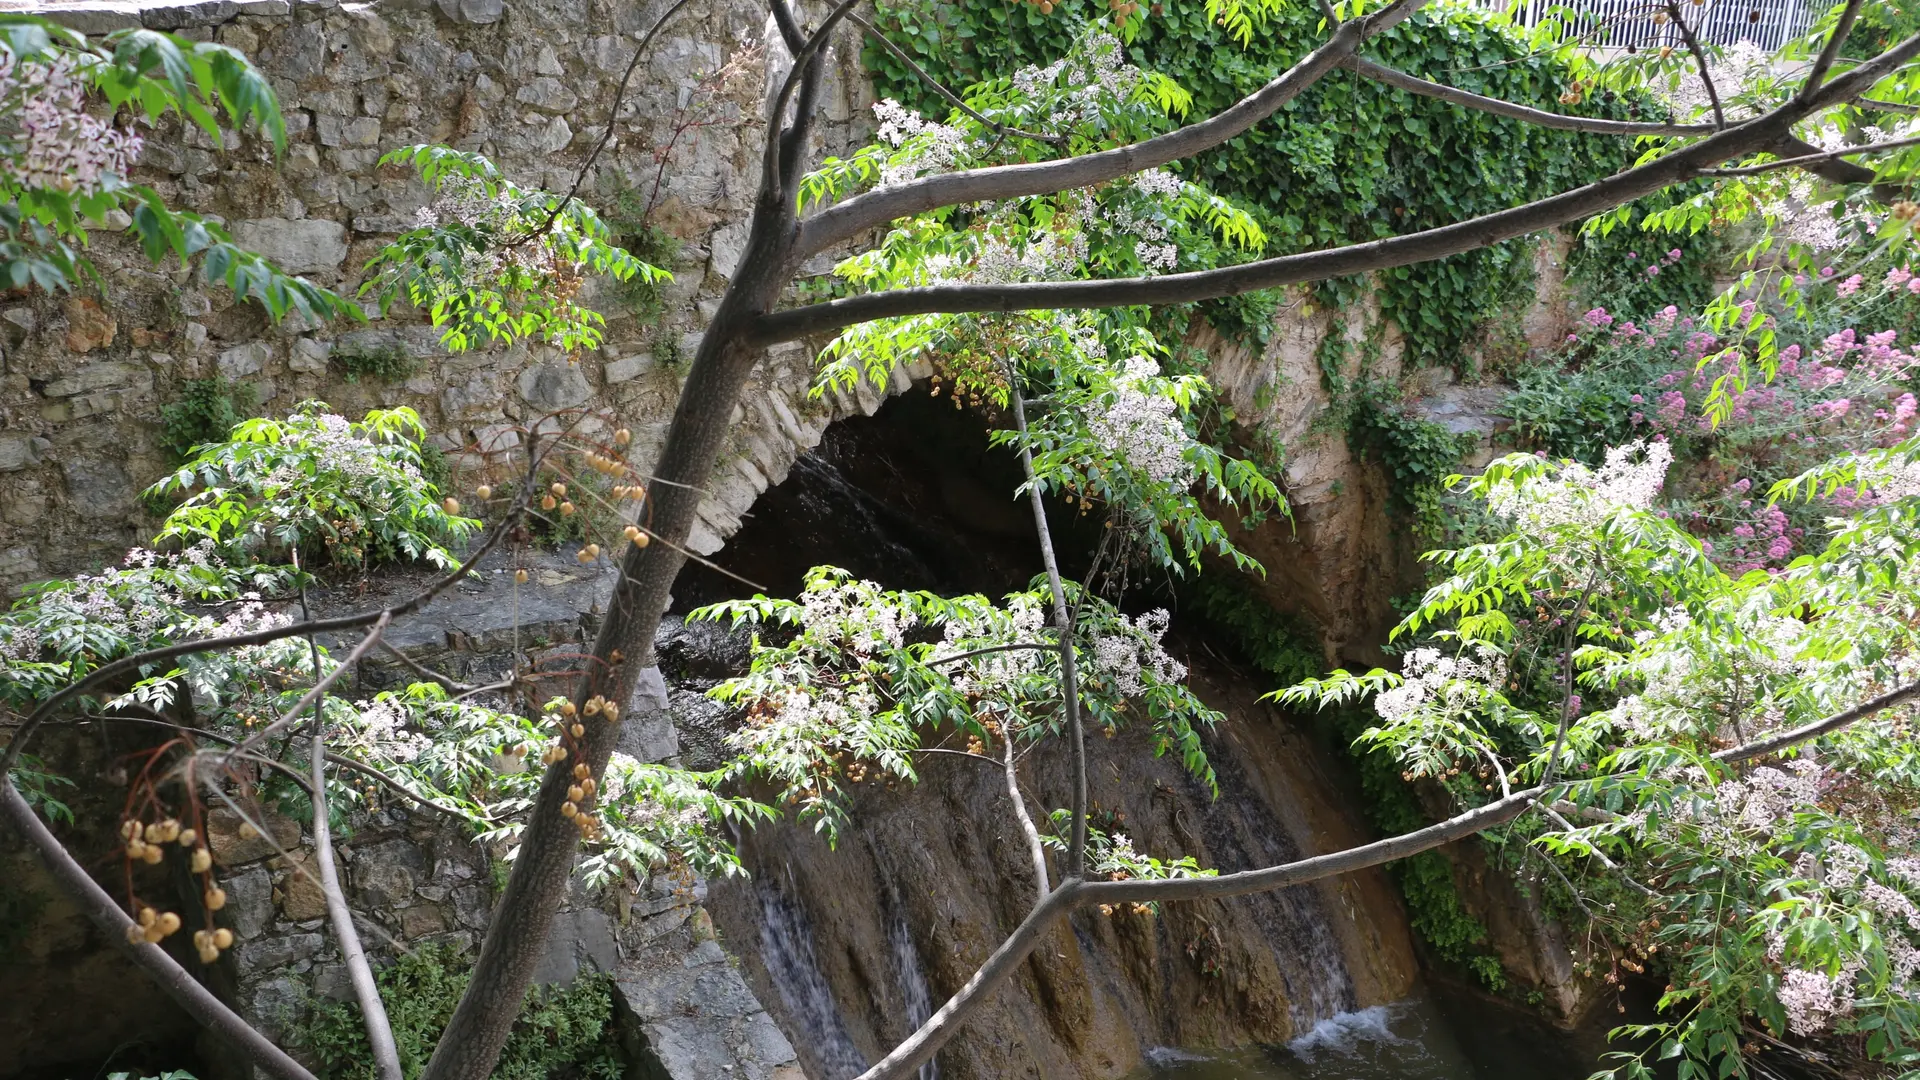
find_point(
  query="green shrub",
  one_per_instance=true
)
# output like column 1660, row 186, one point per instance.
column 561, row 1034
column 387, row 363
column 205, row 412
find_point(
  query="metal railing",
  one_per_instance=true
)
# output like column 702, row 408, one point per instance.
column 1618, row 24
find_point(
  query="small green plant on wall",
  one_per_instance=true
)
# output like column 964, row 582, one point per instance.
column 384, row 363
column 561, row 1034
column 205, row 412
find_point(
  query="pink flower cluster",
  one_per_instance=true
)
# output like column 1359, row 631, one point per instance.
column 55, row 144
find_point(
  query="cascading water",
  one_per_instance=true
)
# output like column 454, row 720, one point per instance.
column 909, row 975
column 786, row 947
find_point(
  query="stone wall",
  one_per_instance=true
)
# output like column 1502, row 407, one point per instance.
column 529, row 85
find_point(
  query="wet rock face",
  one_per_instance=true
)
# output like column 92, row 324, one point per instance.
column 848, row 947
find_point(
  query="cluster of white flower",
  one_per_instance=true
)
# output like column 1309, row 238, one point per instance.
column 989, row 675
column 1630, row 479
column 496, row 215
column 1890, row 477
column 384, row 731
column 336, row 446
column 1077, row 89
column 1812, row 999
column 934, row 147
column 1142, row 428
column 55, row 144
column 1134, row 653
column 856, row 614
column 1432, row 680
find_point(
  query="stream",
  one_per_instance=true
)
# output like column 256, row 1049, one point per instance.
column 1408, row 1040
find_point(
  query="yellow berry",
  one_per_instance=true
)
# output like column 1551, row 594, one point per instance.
column 135, row 934
column 587, row 786
column 622, row 437
column 576, row 793
column 152, row 854
column 200, row 861
column 247, row 831
column 612, row 711
column 566, row 508
column 209, row 955
column 559, row 490
column 167, row 923
column 547, row 502
column 450, row 504
column 484, row 491
column 567, row 809
column 582, row 771
column 593, row 550
column 216, row 898
column 154, row 834
column 147, row 916
column 187, row 837
column 632, row 532
column 568, row 708
column 223, row 938
column 578, row 730
column 519, row 577
column 642, row 540
column 136, row 848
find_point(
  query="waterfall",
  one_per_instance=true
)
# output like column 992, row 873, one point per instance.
column 786, row 947
column 908, row 973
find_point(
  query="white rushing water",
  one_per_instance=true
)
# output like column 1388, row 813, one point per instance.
column 1404, row 1041
column 786, row 947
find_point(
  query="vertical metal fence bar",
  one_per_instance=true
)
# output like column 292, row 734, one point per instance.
column 1617, row 24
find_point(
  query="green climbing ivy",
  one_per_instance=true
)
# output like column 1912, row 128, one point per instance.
column 1348, row 160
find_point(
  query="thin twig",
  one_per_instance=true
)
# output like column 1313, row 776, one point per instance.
column 320, row 688
column 606, row 136
column 993, row 649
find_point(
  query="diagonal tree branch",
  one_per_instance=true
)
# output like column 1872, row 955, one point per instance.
column 1539, row 117
column 1035, row 848
column 851, row 217
column 1073, row 894
column 373, row 1012
column 1752, row 136
column 1819, row 162
column 1700, row 60
column 1831, row 50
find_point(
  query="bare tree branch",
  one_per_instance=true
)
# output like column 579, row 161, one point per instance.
column 613, row 120
column 373, row 1012
column 199, row 1002
column 1063, row 622
column 1831, row 50
column 312, row 696
column 851, row 217
column 1034, row 847
column 1750, row 137
column 779, row 154
column 1700, row 60
column 1538, row 117
column 790, row 32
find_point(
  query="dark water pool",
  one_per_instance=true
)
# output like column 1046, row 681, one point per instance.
column 1415, row 1039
